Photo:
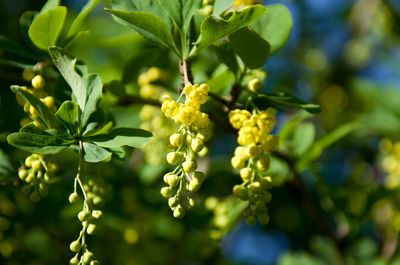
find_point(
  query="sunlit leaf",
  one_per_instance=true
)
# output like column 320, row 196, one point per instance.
column 46, row 27
column 122, row 136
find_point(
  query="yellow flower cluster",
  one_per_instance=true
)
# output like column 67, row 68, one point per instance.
column 37, row 172
column 391, row 163
column 151, row 117
column 252, row 159
column 188, row 143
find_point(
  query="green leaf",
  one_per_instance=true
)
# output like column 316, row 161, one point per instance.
column 66, row 65
column 46, row 27
column 93, row 129
column 47, row 117
column 181, row 11
column 77, row 24
column 6, row 168
column 251, row 48
column 286, row 100
column 94, row 88
column 275, row 26
column 122, row 136
column 50, row 4
column 68, row 114
column 214, row 28
column 148, row 25
column 93, row 153
column 38, row 143
column 117, row 151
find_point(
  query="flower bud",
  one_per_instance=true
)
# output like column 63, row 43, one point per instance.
column 253, row 150
column 173, row 201
column 87, row 257
column 176, row 139
column 73, row 197
column 171, row 179
column 203, row 152
column 174, row 157
column 74, row 261
column 38, row 82
column 36, row 165
column 22, row 174
column 49, row 101
column 189, row 165
column 33, row 111
column 256, row 187
column 166, row 192
column 91, row 229
column 246, row 173
column 237, row 162
column 179, row 212
column 196, row 145
column 240, row 192
column 97, row 214
column 194, row 185
column 29, row 160
column 83, row 216
column 75, row 246
column 255, row 85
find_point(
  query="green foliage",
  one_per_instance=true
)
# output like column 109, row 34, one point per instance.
column 275, row 26
column 47, row 26
column 250, row 47
column 187, row 101
column 214, row 28
column 147, row 24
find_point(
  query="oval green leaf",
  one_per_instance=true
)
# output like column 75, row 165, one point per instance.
column 46, row 27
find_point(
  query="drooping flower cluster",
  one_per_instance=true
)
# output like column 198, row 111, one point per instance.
column 38, row 173
column 252, row 159
column 188, row 143
column 151, row 117
column 88, row 216
column 391, row 163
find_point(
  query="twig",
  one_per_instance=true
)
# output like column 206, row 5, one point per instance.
column 186, row 73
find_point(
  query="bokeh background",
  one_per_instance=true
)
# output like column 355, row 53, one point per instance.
column 342, row 54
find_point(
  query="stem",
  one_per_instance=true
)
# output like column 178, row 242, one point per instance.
column 78, row 174
column 186, row 75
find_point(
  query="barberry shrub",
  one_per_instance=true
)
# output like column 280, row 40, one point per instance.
column 168, row 112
